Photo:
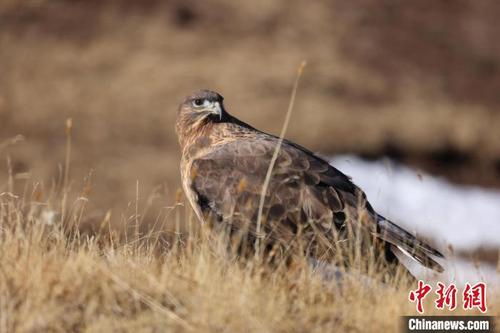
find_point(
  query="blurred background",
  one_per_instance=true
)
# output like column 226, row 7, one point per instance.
column 415, row 81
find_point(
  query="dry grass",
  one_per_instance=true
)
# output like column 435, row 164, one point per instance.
column 56, row 276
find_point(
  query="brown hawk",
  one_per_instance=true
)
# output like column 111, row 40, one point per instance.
column 224, row 165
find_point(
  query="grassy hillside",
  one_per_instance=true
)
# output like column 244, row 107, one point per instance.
column 381, row 79
column 94, row 232
column 56, row 277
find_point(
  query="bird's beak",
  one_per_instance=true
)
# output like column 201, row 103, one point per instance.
column 217, row 109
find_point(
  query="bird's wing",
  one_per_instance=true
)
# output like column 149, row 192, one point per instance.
column 409, row 244
column 303, row 188
column 229, row 179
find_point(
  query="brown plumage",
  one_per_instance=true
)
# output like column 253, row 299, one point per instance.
column 223, row 167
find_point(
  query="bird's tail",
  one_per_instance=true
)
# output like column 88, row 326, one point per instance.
column 408, row 244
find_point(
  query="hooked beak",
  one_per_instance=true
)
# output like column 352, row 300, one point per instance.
column 217, row 109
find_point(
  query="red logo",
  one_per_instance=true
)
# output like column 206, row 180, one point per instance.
column 419, row 294
column 446, row 296
column 473, row 296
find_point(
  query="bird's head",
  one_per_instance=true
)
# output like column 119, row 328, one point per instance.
column 203, row 104
column 200, row 108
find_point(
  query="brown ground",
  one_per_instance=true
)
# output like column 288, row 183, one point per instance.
column 418, row 81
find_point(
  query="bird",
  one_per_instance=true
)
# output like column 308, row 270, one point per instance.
column 224, row 163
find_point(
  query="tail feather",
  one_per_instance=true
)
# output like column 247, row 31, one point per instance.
column 408, row 243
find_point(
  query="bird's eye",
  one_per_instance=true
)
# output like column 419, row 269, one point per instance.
column 198, row 102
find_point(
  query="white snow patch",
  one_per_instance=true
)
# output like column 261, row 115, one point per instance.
column 465, row 217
